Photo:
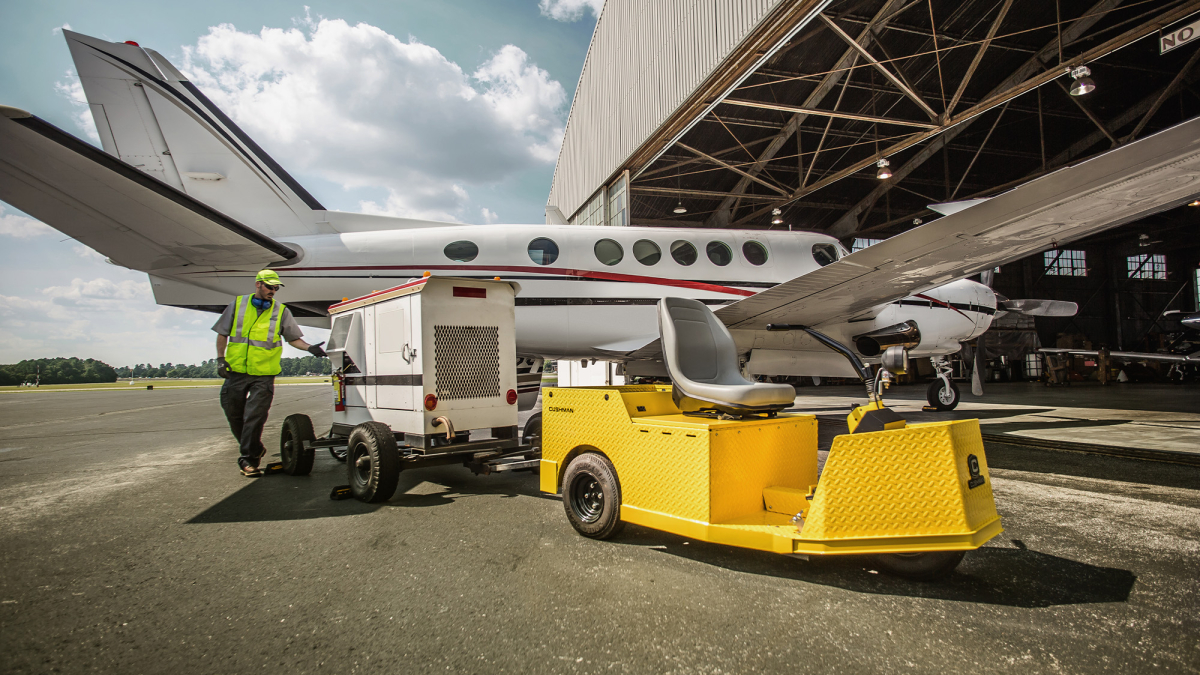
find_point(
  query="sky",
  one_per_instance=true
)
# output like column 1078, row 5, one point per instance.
column 445, row 109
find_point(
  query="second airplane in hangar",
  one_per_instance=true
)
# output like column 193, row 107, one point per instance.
column 180, row 192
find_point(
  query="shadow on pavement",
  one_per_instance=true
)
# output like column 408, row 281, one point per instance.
column 1015, row 577
column 283, row 497
column 1120, row 469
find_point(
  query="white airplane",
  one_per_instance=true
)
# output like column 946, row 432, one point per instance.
column 183, row 194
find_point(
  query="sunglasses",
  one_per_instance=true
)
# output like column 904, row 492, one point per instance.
column 270, row 287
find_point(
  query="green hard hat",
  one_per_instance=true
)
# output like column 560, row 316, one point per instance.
column 269, row 277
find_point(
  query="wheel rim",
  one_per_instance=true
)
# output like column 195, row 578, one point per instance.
column 945, row 395
column 587, row 497
column 361, row 459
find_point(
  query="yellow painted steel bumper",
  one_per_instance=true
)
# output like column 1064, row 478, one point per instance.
column 753, row 483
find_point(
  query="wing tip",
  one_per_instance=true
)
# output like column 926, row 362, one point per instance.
column 14, row 113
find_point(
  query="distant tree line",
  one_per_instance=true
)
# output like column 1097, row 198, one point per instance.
column 57, row 371
column 289, row 368
column 79, row 371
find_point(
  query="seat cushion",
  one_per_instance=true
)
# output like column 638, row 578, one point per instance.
column 754, row 395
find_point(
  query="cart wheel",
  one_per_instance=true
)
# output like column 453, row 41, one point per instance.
column 592, row 496
column 532, row 435
column 338, row 453
column 929, row 566
column 373, row 462
column 940, row 397
column 297, row 460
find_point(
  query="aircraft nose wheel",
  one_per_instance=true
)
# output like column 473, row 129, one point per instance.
column 940, row 396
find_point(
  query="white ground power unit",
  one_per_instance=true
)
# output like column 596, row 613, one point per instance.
column 424, row 373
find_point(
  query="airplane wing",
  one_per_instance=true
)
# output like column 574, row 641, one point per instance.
column 1156, row 173
column 135, row 219
column 1128, row 356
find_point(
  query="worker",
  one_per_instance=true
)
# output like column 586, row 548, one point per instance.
column 248, row 352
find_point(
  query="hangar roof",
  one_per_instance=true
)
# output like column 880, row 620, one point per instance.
column 794, row 102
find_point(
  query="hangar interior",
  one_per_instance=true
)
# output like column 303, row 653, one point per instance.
column 852, row 117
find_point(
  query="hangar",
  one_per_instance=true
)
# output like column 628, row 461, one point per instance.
column 852, row 117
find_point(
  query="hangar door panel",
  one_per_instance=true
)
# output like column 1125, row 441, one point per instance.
column 394, row 380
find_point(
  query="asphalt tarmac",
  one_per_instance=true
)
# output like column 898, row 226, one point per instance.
column 129, row 543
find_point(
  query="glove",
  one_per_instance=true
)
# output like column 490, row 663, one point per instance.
column 316, row 350
column 222, row 367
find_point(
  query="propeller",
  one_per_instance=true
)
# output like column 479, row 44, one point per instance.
column 1031, row 307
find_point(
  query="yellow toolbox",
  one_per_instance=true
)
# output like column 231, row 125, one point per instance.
column 627, row 454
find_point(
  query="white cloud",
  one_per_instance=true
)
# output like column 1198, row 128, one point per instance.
column 22, row 227
column 489, row 216
column 57, row 30
column 363, row 109
column 71, row 89
column 88, row 253
column 569, row 10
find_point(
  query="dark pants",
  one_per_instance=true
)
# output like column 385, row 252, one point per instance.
column 246, row 400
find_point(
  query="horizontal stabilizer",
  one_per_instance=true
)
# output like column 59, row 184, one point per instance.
column 1030, row 307
column 951, row 208
column 124, row 213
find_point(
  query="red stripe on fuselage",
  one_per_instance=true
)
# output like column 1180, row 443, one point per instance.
column 566, row 272
column 943, row 304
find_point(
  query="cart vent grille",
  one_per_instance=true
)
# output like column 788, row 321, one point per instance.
column 466, row 360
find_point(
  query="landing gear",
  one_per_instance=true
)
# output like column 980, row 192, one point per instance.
column 532, row 436
column 941, row 396
column 942, row 393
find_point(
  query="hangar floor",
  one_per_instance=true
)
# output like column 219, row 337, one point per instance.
column 129, row 543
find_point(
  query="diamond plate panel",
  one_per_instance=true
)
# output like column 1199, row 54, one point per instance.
column 904, row 482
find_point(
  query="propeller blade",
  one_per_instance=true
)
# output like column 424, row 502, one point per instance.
column 977, row 372
column 1030, row 307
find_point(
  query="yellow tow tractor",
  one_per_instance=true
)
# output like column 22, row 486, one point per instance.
column 712, row 457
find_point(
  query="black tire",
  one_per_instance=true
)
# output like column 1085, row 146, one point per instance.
column 297, row 459
column 934, row 394
column 591, row 496
column 338, row 453
column 920, row 566
column 532, row 435
column 373, row 462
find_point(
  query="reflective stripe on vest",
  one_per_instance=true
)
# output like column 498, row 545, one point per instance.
column 247, row 352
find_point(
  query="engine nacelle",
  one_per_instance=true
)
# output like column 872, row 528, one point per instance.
column 905, row 335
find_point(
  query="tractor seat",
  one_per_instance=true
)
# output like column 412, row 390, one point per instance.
column 702, row 361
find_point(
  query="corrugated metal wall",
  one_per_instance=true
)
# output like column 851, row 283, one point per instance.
column 646, row 57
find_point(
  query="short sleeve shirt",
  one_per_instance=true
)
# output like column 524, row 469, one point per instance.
column 288, row 326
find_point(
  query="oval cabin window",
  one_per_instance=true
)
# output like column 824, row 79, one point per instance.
column 647, row 252
column 683, row 252
column 462, row 251
column 543, row 251
column 609, row 252
column 719, row 253
column 755, row 252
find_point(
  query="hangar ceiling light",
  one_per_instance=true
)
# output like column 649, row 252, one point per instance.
column 1082, row 84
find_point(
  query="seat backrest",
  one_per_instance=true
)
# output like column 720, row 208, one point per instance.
column 697, row 346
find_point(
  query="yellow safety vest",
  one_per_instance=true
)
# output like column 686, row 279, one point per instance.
column 255, row 346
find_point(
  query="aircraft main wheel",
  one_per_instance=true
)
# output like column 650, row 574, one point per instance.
column 929, row 566
column 940, row 396
column 532, row 435
column 373, row 462
column 297, row 459
column 592, row 496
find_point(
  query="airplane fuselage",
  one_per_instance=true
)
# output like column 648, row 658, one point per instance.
column 590, row 291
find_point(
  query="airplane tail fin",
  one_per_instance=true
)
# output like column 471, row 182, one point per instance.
column 148, row 114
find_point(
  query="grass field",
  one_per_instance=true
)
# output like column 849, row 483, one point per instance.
column 124, row 385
